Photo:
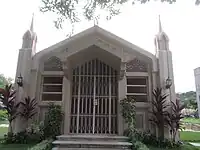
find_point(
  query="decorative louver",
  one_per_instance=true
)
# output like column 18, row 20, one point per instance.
column 53, row 64
column 136, row 65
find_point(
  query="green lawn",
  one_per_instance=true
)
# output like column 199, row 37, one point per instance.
column 191, row 120
column 15, row 146
column 190, row 136
column 184, row 147
column 3, row 130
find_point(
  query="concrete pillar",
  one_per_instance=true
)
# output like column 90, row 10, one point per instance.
column 67, row 104
column 121, row 95
column 197, row 84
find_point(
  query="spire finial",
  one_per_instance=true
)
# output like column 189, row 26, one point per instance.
column 31, row 27
column 160, row 25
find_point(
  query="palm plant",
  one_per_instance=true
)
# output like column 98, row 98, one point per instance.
column 29, row 108
column 7, row 97
column 174, row 118
column 159, row 111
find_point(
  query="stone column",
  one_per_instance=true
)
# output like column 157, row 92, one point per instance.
column 166, row 71
column 23, row 69
column 121, row 95
column 66, row 97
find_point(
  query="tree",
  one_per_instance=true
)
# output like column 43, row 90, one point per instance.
column 189, row 99
column 4, row 81
column 75, row 10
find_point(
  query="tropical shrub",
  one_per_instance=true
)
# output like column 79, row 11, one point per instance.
column 159, row 110
column 53, row 121
column 174, row 117
column 33, row 134
column 151, row 140
column 22, row 138
column 44, row 145
column 139, row 146
column 128, row 113
column 7, row 97
column 28, row 108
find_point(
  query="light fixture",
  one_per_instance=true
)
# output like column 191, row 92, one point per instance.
column 168, row 83
column 20, row 80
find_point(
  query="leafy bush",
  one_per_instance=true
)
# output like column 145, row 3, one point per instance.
column 128, row 111
column 44, row 145
column 53, row 121
column 150, row 139
column 32, row 134
column 139, row 146
column 37, row 132
column 21, row 138
column 3, row 115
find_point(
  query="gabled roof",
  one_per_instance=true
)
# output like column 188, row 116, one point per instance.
column 93, row 30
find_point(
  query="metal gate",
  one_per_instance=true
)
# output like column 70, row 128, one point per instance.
column 94, row 99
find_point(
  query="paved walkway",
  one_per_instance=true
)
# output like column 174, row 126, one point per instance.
column 4, row 125
column 196, row 144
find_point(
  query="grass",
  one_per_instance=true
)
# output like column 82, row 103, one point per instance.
column 191, row 120
column 183, row 147
column 15, row 146
column 190, row 136
column 3, row 130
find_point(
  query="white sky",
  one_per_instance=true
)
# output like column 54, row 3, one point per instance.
column 137, row 24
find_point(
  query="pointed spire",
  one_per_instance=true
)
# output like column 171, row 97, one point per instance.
column 160, row 25
column 31, row 27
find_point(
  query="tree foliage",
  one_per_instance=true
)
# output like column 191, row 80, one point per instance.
column 189, row 99
column 76, row 10
column 4, row 81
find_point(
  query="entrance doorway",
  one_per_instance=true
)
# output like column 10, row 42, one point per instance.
column 94, row 99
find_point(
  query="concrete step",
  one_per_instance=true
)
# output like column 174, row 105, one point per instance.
column 110, row 138
column 91, row 142
column 62, row 148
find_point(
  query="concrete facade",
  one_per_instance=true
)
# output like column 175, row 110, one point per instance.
column 197, row 84
column 127, row 64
